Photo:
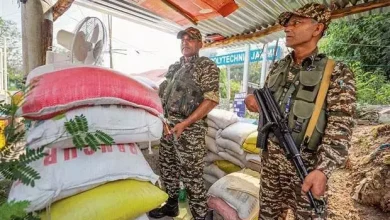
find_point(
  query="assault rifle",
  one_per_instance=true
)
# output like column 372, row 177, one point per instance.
column 271, row 119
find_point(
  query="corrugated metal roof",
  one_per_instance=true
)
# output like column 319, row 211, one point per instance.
column 252, row 16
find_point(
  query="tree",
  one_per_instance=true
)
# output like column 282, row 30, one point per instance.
column 235, row 85
column 365, row 40
column 10, row 32
column 15, row 79
column 364, row 44
column 236, row 72
column 223, row 83
column 372, row 87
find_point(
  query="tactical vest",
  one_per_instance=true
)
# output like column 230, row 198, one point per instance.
column 182, row 95
column 297, row 99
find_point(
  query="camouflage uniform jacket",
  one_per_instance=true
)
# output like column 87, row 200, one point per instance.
column 205, row 73
column 341, row 97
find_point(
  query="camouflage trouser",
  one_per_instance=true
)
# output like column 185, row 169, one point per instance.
column 191, row 148
column 280, row 186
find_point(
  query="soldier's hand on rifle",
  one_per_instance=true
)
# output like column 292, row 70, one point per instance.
column 315, row 181
column 251, row 104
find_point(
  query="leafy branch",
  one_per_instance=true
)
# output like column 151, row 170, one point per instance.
column 81, row 137
column 15, row 157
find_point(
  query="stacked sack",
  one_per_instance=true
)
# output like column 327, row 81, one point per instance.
column 234, row 191
column 115, row 182
column 217, row 120
column 224, row 141
column 253, row 153
column 231, row 140
column 236, row 196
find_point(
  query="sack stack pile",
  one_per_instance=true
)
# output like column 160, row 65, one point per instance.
column 113, row 182
column 236, row 196
column 231, row 145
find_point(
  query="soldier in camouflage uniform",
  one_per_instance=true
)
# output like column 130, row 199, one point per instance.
column 295, row 81
column 189, row 93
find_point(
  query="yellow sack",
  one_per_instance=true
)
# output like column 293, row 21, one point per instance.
column 17, row 98
column 3, row 124
column 124, row 199
column 227, row 166
column 251, row 139
column 251, row 148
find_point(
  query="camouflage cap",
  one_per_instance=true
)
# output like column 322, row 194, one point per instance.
column 318, row 12
column 192, row 33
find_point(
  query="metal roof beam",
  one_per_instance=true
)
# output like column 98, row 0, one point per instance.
column 336, row 14
column 125, row 15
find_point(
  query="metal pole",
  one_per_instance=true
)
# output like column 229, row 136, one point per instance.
column 228, row 82
column 264, row 66
column 275, row 52
column 5, row 75
column 246, row 69
column 110, row 36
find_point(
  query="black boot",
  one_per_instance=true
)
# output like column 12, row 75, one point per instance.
column 171, row 209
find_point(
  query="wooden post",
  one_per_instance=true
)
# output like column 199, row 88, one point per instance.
column 37, row 33
column 37, row 29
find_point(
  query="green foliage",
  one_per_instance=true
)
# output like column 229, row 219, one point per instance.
column 15, row 211
column 372, row 87
column 364, row 44
column 235, row 85
column 236, row 72
column 104, row 138
column 15, row 79
column 14, row 159
column 365, row 40
column 18, row 169
column 223, row 83
column 255, row 72
column 78, row 128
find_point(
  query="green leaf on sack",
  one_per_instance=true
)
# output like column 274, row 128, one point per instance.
column 81, row 123
column 58, row 117
column 105, row 138
column 70, row 127
column 78, row 141
column 92, row 142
